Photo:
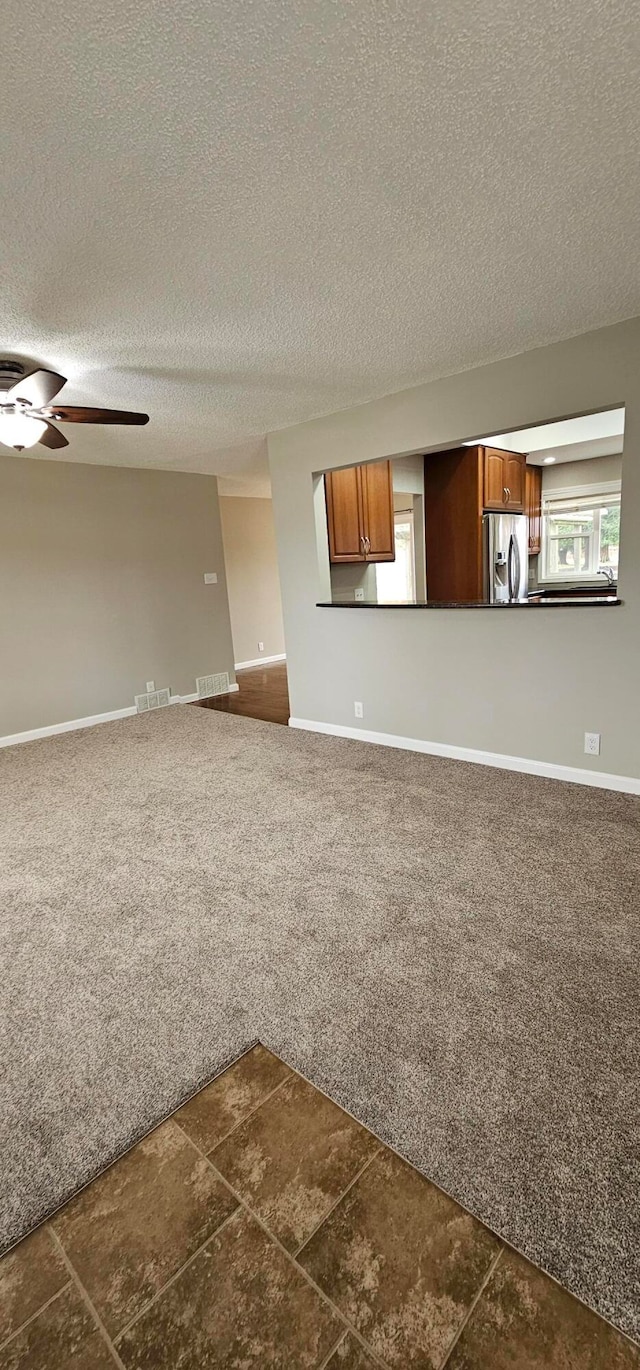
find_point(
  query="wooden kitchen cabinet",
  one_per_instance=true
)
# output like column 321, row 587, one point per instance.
column 504, row 478
column 360, row 518
column 515, row 470
column 533, row 507
column 344, row 514
column 378, row 526
column 494, row 479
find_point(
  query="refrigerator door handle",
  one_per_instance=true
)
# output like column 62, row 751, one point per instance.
column 510, row 565
column 517, row 588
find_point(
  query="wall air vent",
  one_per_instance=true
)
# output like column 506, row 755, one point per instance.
column 157, row 699
column 217, row 684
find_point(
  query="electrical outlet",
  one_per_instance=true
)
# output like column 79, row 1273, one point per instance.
column 592, row 744
column 261, row 646
column 211, row 577
column 358, row 708
column 150, row 686
column 359, row 593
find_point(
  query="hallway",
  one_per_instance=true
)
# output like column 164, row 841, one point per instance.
column 263, row 694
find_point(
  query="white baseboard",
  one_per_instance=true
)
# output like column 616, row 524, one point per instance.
column 575, row 775
column 260, row 661
column 74, row 724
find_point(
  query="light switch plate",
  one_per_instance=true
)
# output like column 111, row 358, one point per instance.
column 211, row 577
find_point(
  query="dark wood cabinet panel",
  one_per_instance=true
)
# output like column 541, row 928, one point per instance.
column 533, row 503
column 344, row 514
column 360, row 513
column 504, row 479
column 453, row 493
column 377, row 510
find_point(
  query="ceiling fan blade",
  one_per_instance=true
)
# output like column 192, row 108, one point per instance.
column 53, row 438
column 36, row 390
column 75, row 413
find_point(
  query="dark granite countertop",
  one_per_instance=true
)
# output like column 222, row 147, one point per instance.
column 556, row 602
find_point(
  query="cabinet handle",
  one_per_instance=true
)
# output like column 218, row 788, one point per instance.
column 363, row 544
column 367, row 547
column 507, row 493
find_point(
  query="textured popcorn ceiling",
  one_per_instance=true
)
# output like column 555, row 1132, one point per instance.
column 238, row 216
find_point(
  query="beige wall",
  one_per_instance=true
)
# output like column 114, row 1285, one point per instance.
column 101, row 588
column 349, row 576
column 567, row 474
column 525, row 682
column 252, row 577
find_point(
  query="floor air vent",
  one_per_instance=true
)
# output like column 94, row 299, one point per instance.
column 217, row 684
column 158, row 699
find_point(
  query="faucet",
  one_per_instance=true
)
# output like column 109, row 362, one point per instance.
column 608, row 572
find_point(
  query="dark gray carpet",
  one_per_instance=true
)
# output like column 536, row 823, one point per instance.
column 449, row 951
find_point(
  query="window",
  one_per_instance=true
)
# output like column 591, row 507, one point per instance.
column 581, row 533
column 395, row 580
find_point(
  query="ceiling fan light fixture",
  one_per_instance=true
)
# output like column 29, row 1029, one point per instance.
column 27, row 405
column 20, row 431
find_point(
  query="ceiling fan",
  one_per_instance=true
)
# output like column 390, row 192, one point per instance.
column 27, row 408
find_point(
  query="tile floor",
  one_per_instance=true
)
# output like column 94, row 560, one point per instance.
column 261, row 1226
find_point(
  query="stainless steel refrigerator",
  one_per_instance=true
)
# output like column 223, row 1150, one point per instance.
column 505, row 557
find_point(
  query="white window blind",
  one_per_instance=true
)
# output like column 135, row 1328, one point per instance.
column 558, row 503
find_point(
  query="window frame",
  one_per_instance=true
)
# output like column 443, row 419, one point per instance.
column 604, row 493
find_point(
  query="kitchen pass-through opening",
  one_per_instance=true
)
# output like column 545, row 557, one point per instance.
column 527, row 517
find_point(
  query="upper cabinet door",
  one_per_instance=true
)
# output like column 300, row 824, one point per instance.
column 504, row 479
column 344, row 515
column 377, row 509
column 514, row 473
column 495, row 482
